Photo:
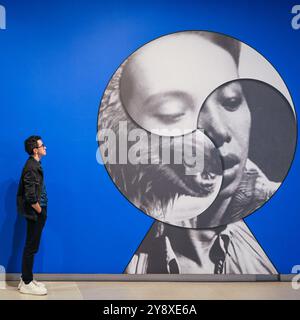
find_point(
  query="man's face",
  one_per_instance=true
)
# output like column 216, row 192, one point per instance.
column 41, row 149
column 226, row 119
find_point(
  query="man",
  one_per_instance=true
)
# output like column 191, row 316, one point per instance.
column 32, row 204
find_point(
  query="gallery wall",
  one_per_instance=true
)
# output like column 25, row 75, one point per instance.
column 56, row 59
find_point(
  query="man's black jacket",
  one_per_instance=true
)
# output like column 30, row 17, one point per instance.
column 30, row 188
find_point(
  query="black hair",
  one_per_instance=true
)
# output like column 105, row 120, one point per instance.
column 31, row 143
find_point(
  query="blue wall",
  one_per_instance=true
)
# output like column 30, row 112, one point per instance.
column 56, row 58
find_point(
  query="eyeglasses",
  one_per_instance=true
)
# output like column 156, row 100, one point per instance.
column 42, row 145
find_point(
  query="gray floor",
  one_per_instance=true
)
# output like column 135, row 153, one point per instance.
column 106, row 290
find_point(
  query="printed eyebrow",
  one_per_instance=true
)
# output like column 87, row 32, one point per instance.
column 230, row 91
column 157, row 99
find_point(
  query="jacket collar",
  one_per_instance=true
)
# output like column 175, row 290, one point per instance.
column 38, row 163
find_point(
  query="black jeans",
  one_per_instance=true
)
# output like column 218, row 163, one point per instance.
column 33, row 238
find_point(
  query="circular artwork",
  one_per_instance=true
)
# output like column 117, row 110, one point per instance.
column 186, row 139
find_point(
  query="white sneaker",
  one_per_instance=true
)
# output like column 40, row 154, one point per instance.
column 20, row 284
column 37, row 283
column 32, row 288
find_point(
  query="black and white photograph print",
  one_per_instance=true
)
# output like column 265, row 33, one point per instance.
column 198, row 148
column 161, row 99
